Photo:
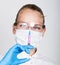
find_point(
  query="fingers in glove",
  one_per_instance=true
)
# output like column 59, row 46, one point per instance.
column 21, row 61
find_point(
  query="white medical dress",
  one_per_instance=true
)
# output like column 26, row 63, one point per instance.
column 35, row 60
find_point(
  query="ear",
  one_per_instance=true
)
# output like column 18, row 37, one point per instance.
column 14, row 29
column 43, row 32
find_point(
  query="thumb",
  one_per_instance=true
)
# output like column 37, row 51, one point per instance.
column 21, row 61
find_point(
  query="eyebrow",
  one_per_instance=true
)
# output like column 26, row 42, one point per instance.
column 38, row 25
column 21, row 22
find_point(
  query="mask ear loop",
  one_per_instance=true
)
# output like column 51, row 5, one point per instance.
column 29, row 37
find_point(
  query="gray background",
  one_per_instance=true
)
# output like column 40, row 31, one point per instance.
column 50, row 45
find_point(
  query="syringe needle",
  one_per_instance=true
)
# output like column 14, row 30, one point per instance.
column 29, row 38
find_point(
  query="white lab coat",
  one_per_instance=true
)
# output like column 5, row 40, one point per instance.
column 35, row 60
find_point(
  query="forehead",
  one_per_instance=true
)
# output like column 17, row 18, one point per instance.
column 30, row 16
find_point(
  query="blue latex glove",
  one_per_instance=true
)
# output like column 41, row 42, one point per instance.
column 11, row 56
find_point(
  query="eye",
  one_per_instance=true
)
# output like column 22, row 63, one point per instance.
column 23, row 25
column 37, row 28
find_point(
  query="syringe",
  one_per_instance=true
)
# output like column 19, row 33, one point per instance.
column 34, row 50
column 29, row 38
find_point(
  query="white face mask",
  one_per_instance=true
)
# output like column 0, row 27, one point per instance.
column 25, row 37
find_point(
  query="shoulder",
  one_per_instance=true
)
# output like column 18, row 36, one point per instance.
column 43, row 61
column 46, row 61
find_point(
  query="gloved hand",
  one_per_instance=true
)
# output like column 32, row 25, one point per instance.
column 11, row 56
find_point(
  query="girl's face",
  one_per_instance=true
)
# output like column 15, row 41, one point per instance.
column 29, row 19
